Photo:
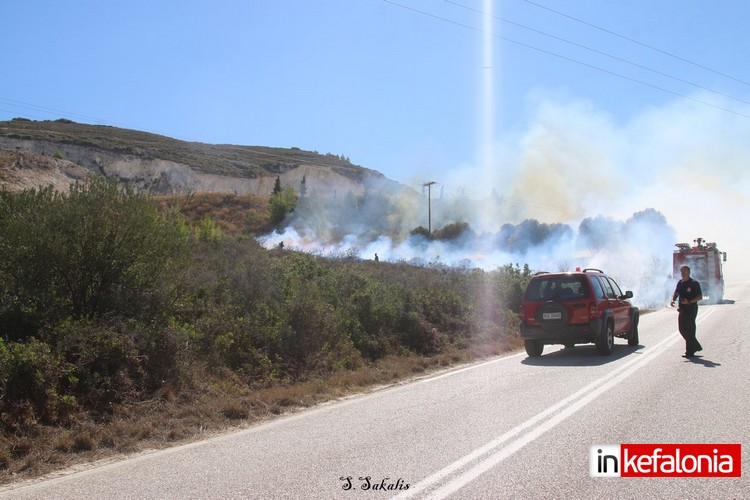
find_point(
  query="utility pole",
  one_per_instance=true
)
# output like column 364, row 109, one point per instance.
column 429, row 205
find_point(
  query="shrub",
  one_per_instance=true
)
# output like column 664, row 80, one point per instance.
column 31, row 380
column 281, row 203
column 99, row 249
column 108, row 361
column 208, row 231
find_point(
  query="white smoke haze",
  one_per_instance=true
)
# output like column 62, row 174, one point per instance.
column 574, row 189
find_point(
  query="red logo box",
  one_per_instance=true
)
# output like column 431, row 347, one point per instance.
column 666, row 460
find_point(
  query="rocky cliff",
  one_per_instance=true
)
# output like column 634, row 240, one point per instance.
column 34, row 153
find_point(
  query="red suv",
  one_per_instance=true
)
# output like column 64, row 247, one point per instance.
column 576, row 308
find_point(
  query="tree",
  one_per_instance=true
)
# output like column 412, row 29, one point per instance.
column 599, row 232
column 276, row 186
column 421, row 231
column 280, row 204
column 452, row 231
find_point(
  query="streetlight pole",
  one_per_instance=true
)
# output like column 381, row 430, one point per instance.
column 429, row 205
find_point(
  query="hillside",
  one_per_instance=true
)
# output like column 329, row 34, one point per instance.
column 60, row 152
column 126, row 329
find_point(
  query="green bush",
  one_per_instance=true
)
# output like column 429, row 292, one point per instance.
column 98, row 249
column 365, row 314
column 281, row 203
column 104, row 300
column 31, row 385
column 208, row 231
column 108, row 361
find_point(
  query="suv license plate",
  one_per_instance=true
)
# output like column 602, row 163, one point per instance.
column 551, row 316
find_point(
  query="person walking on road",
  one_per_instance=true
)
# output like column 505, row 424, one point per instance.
column 689, row 293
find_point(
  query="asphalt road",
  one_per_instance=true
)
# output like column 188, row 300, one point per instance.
column 512, row 427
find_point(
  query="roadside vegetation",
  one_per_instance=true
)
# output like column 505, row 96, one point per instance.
column 129, row 322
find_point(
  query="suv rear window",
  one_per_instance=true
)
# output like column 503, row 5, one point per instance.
column 557, row 288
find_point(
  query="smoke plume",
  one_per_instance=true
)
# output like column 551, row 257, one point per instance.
column 574, row 189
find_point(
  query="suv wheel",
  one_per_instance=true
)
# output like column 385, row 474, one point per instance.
column 605, row 344
column 633, row 337
column 534, row 348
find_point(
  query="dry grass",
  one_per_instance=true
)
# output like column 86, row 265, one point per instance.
column 214, row 405
column 233, row 214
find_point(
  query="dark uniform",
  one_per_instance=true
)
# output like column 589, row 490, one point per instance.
column 688, row 289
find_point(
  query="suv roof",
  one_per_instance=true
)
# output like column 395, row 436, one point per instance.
column 578, row 270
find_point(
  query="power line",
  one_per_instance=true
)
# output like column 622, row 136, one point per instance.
column 569, row 59
column 638, row 42
column 44, row 109
column 597, row 51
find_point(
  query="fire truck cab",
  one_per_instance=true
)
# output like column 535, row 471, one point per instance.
column 705, row 262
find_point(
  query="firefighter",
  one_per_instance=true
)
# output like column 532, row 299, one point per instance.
column 688, row 291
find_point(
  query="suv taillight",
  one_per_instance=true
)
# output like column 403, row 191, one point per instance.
column 594, row 311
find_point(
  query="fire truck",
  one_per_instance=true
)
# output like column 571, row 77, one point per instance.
column 705, row 262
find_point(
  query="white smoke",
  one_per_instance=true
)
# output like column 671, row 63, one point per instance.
column 576, row 189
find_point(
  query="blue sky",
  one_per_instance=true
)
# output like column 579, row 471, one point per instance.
column 646, row 103
column 393, row 89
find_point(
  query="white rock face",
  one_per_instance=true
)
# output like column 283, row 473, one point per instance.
column 25, row 164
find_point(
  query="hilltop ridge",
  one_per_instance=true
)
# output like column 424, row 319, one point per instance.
column 59, row 152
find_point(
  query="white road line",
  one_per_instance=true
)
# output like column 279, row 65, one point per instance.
column 560, row 411
column 472, row 367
